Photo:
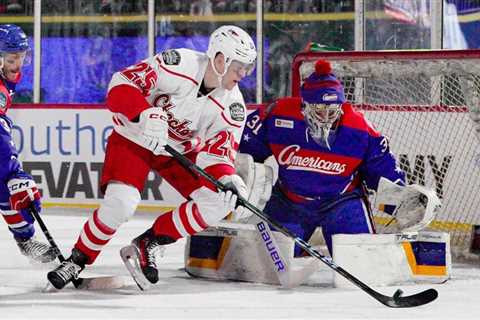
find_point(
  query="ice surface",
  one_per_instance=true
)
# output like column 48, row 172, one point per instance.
column 177, row 296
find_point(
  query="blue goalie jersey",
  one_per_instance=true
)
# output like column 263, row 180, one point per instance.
column 359, row 153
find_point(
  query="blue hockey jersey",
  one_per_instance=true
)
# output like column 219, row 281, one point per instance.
column 10, row 167
column 358, row 155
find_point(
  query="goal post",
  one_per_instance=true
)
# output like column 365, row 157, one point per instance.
column 426, row 102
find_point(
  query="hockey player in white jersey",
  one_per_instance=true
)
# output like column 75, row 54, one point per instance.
column 191, row 101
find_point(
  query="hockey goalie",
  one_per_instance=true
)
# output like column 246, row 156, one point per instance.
column 328, row 156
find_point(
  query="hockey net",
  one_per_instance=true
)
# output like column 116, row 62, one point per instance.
column 426, row 103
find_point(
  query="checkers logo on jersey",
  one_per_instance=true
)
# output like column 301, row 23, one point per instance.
column 237, row 111
column 171, row 57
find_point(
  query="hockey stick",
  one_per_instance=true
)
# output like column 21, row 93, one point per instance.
column 395, row 301
column 95, row 283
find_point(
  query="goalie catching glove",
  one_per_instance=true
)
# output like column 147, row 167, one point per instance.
column 413, row 206
column 150, row 131
column 258, row 178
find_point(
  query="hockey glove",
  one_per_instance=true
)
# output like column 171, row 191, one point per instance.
column 212, row 205
column 150, row 130
column 23, row 195
column 412, row 206
column 155, row 129
column 418, row 208
column 234, row 182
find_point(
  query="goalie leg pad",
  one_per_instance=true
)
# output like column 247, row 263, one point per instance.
column 246, row 252
column 393, row 259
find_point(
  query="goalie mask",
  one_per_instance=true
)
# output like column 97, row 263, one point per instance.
column 322, row 96
column 237, row 48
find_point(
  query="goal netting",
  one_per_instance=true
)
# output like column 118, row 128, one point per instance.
column 426, row 102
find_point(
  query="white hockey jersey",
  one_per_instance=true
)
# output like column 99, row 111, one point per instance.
column 211, row 124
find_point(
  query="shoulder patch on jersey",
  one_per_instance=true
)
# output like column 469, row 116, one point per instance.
column 5, row 125
column 237, row 111
column 171, row 57
column 3, row 101
column 282, row 123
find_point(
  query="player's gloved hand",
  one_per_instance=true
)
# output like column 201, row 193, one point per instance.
column 23, row 195
column 234, row 182
column 154, row 129
column 213, row 205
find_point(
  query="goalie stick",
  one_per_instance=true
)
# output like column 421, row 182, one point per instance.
column 395, row 301
column 93, row 283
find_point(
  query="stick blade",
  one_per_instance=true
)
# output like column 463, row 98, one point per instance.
column 105, row 283
column 415, row 300
column 96, row 283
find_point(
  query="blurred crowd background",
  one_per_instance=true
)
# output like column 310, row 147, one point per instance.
column 83, row 42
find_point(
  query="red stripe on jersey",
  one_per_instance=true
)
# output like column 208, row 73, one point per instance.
column 198, row 217
column 308, row 160
column 14, row 218
column 182, row 212
column 354, row 184
column 223, row 116
column 176, row 73
column 230, row 123
column 219, row 170
column 164, row 226
column 356, row 120
column 117, row 122
column 217, row 103
column 101, row 226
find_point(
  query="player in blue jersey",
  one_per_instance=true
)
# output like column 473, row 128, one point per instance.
column 328, row 155
column 18, row 192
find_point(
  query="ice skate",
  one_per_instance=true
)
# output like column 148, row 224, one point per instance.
column 36, row 251
column 140, row 257
column 68, row 270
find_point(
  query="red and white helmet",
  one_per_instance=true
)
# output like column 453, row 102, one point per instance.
column 235, row 45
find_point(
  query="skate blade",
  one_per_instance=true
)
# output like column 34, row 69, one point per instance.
column 131, row 259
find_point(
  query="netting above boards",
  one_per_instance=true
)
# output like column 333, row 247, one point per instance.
column 425, row 102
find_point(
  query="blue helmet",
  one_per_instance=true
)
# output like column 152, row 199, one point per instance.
column 12, row 39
